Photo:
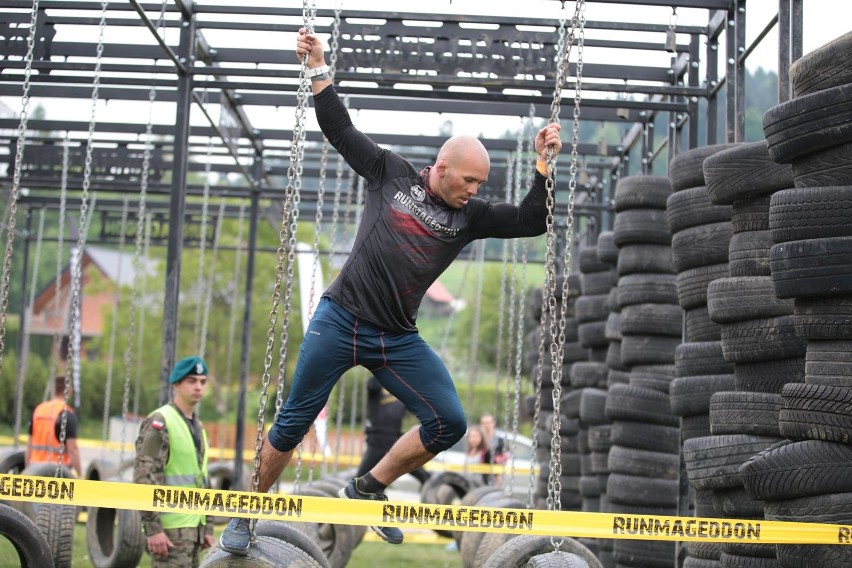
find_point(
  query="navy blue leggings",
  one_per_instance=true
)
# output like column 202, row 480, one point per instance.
column 405, row 366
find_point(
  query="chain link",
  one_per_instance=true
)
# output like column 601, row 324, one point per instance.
column 201, row 283
column 23, row 356
column 291, row 198
column 12, row 209
column 211, row 277
column 114, row 325
column 57, row 287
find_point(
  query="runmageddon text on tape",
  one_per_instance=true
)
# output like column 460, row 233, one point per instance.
column 112, row 495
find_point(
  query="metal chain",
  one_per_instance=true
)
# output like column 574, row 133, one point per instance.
column 201, row 282
column 138, row 268
column 16, row 182
column 290, row 202
column 113, row 332
column 211, row 276
column 501, row 307
column 57, row 287
column 24, row 355
column 234, row 287
column 140, row 334
column 76, row 279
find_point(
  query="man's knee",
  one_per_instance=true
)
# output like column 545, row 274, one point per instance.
column 450, row 430
column 285, row 439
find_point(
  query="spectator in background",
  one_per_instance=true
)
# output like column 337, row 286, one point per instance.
column 478, row 451
column 383, row 428
column 47, row 433
column 495, row 441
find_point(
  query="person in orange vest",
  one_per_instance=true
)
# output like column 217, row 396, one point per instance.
column 172, row 450
column 46, row 431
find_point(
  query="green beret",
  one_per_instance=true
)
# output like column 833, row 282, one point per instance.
column 193, row 365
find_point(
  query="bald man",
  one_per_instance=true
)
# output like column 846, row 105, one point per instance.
column 413, row 226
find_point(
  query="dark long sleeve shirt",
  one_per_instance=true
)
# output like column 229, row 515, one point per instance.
column 408, row 236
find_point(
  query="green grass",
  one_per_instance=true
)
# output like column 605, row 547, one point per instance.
column 366, row 555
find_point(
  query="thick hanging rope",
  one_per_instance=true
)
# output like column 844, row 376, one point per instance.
column 16, row 182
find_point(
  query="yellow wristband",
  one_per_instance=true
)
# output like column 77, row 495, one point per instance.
column 541, row 167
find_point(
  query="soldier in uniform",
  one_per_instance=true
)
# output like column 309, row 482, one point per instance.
column 172, row 450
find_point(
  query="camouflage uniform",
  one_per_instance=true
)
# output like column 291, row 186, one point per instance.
column 152, row 453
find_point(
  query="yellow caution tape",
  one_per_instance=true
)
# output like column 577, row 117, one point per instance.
column 166, row 499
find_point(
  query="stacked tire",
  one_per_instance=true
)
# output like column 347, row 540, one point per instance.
column 643, row 459
column 807, row 477
column 757, row 338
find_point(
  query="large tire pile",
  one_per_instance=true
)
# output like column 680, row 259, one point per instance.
column 808, row 475
column 643, row 460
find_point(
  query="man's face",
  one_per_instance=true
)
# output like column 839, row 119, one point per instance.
column 461, row 181
column 191, row 388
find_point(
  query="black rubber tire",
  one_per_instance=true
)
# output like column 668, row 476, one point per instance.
column 645, row 436
column 823, row 319
column 641, row 491
column 648, row 349
column 336, row 541
column 691, row 395
column 114, row 537
column 588, row 261
column 290, row 534
column 12, row 461
column 823, row 68
column 101, row 470
column 56, row 523
column 816, row 412
column 626, row 402
column 810, row 123
column 727, row 560
column 592, row 406
column 470, row 541
column 591, row 308
column 517, row 551
column 460, row 484
column 592, row 334
column 692, row 207
column 30, row 508
column 642, row 226
column 645, row 553
column 743, row 412
column 789, row 469
column 704, row 550
column 594, row 283
column 557, row 560
column 692, row 284
column 769, row 376
column 828, row 363
column 29, row 544
column 267, row 552
column 751, row 214
column 645, row 258
column 701, row 358
column 607, row 251
column 642, row 192
column 695, row 426
column 588, row 374
column 736, row 503
column 652, row 319
column 699, row 326
column 612, row 331
column 700, row 246
column 654, row 377
column 644, row 463
column 812, row 213
column 743, row 298
column 812, row 268
column 477, row 496
column 648, row 288
column 744, row 172
column 687, row 169
column 831, row 166
column 748, row 253
column 763, row 339
column 714, row 462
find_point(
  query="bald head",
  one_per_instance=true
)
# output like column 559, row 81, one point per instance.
column 464, row 149
column 461, row 167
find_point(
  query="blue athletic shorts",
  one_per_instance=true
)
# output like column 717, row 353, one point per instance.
column 403, row 363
